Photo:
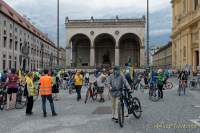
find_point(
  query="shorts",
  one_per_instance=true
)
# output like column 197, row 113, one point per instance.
column 100, row 90
column 12, row 90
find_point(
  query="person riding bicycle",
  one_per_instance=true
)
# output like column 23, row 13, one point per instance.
column 116, row 82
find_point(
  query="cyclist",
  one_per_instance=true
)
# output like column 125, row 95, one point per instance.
column 183, row 79
column 12, row 85
column 116, row 82
column 160, row 82
column 100, row 84
column 153, row 78
column 55, row 88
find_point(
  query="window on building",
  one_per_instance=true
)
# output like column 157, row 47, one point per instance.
column 10, row 62
column 4, row 22
column 10, row 46
column 4, row 42
column 20, row 47
column 16, row 45
column 196, row 3
column 15, row 29
column 4, row 62
column 10, row 26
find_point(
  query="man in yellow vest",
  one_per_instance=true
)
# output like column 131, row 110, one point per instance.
column 46, row 92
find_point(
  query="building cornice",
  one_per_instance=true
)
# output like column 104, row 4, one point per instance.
column 99, row 23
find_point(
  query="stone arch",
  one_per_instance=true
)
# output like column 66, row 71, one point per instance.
column 104, row 45
column 80, row 50
column 129, row 49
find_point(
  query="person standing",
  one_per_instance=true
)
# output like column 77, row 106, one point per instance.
column 116, row 82
column 12, row 88
column 160, row 82
column 46, row 84
column 55, row 87
column 101, row 84
column 78, row 84
column 30, row 93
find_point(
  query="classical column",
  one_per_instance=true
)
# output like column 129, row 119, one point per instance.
column 199, row 43
column 142, row 56
column 92, row 56
column 117, row 56
column 189, row 48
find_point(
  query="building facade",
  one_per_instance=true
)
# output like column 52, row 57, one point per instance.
column 62, row 59
column 22, row 45
column 186, row 33
column 163, row 57
column 96, row 42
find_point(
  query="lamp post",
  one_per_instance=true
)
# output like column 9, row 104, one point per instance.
column 148, row 33
column 58, row 3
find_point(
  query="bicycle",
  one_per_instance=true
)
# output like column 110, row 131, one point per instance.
column 194, row 83
column 132, row 103
column 182, row 86
column 21, row 100
column 2, row 97
column 154, row 93
column 91, row 93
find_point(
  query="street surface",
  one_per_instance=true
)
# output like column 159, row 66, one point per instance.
column 174, row 114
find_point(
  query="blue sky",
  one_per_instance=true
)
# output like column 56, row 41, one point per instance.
column 43, row 14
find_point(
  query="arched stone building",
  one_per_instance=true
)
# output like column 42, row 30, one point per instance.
column 95, row 42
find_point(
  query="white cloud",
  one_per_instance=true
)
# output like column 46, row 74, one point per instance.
column 160, row 32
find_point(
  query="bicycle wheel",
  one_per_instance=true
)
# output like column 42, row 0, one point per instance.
column 154, row 95
column 20, row 101
column 121, row 114
column 21, row 104
column 169, row 85
column 136, row 108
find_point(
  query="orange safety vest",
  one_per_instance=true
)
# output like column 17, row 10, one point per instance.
column 45, row 85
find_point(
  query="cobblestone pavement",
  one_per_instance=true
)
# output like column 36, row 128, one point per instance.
column 174, row 114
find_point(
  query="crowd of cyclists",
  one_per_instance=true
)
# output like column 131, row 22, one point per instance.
column 100, row 81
